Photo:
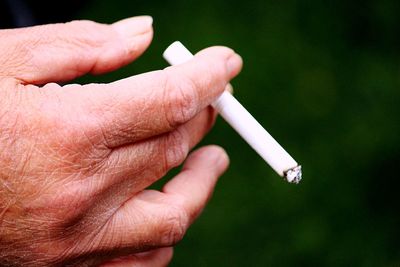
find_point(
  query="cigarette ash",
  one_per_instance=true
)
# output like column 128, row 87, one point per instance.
column 293, row 175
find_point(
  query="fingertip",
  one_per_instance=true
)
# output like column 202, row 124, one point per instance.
column 216, row 51
column 194, row 185
column 140, row 43
column 137, row 32
column 167, row 254
column 234, row 65
column 133, row 26
column 158, row 257
column 222, row 158
column 234, row 62
column 229, row 88
column 213, row 156
column 161, row 255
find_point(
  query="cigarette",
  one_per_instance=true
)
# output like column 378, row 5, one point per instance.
column 245, row 124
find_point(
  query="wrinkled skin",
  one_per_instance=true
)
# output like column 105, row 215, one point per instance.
column 76, row 160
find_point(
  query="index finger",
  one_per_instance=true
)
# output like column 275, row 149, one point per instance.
column 153, row 103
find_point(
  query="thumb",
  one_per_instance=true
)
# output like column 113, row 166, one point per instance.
column 61, row 52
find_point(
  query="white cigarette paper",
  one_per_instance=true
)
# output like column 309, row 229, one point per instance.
column 245, row 124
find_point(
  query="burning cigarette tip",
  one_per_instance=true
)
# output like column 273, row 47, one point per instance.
column 293, row 175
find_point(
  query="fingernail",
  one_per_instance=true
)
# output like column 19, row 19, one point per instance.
column 234, row 64
column 229, row 88
column 131, row 27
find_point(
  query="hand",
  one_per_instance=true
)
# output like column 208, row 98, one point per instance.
column 75, row 160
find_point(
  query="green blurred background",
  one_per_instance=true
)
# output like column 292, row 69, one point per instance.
column 323, row 77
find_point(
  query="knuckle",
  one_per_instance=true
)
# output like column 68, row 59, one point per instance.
column 175, row 148
column 174, row 226
column 180, row 99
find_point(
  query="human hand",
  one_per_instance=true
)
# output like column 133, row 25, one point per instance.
column 76, row 160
